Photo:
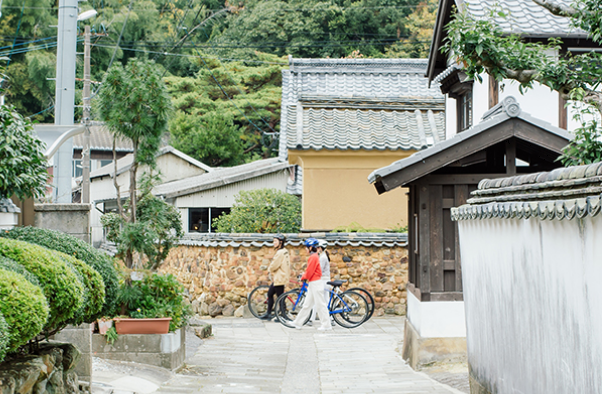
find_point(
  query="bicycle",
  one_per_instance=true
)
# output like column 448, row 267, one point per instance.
column 349, row 309
column 257, row 301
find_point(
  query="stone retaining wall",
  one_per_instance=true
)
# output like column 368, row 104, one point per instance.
column 50, row 371
column 219, row 270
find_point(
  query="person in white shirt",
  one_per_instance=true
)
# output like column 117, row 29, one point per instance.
column 325, row 266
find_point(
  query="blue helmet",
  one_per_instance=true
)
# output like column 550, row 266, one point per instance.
column 310, row 242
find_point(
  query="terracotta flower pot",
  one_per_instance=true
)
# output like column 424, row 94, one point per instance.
column 142, row 326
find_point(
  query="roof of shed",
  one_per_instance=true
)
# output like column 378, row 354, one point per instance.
column 425, row 162
column 525, row 17
column 370, row 104
column 564, row 193
column 101, row 139
column 220, row 177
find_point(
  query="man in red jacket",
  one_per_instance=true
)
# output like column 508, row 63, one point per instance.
column 315, row 290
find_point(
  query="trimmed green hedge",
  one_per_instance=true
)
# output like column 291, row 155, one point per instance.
column 23, row 306
column 61, row 286
column 11, row 265
column 4, row 337
column 101, row 262
column 94, row 290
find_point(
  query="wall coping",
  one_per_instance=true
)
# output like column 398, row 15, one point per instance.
column 61, row 207
column 564, row 193
column 261, row 240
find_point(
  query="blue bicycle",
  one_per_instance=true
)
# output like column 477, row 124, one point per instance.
column 349, row 309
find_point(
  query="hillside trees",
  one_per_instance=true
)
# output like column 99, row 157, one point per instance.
column 481, row 46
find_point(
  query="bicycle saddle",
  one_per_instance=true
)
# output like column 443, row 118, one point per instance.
column 336, row 283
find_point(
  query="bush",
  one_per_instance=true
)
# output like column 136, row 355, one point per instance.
column 156, row 296
column 94, row 291
column 11, row 265
column 61, row 286
column 68, row 244
column 262, row 211
column 4, row 338
column 24, row 308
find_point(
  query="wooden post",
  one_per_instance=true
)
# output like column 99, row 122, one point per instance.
column 494, row 95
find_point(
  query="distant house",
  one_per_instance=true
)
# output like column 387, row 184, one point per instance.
column 340, row 119
column 200, row 192
column 101, row 149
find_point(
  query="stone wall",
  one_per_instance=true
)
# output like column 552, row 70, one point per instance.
column 72, row 219
column 219, row 270
column 50, row 371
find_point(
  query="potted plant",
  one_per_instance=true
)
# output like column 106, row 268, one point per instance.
column 151, row 305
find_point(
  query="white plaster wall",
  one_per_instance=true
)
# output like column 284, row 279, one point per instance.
column 174, row 168
column 436, row 319
column 539, row 102
column 450, row 117
column 480, row 99
column 533, row 295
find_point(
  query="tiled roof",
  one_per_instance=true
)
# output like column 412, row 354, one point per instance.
column 259, row 240
column 564, row 193
column 508, row 108
column 525, row 17
column 365, row 129
column 101, row 139
column 219, row 177
column 359, row 104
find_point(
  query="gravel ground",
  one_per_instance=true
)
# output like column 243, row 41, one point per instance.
column 454, row 374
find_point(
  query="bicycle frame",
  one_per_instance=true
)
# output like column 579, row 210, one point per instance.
column 346, row 308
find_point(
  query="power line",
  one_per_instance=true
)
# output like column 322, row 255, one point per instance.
column 16, row 34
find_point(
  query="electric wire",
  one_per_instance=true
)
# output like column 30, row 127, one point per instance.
column 16, row 34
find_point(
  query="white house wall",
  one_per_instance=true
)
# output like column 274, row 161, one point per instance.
column 532, row 292
column 450, row 116
column 223, row 196
column 437, row 319
column 174, row 168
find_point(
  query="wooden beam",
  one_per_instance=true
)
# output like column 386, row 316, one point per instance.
column 424, row 237
column 494, row 95
column 562, row 113
column 436, row 237
column 447, row 296
column 455, row 179
column 511, row 157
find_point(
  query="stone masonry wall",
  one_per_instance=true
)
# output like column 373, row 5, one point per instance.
column 219, row 277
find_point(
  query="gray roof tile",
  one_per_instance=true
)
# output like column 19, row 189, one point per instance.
column 525, row 17
column 370, row 104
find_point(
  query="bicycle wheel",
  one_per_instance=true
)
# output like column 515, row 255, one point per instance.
column 368, row 298
column 288, row 307
column 351, row 309
column 258, row 301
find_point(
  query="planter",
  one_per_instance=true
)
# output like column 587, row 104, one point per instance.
column 104, row 325
column 142, row 326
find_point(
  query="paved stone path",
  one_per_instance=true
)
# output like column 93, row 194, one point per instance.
column 250, row 356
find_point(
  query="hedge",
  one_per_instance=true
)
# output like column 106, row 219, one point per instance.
column 94, row 290
column 23, row 306
column 68, row 244
column 11, row 265
column 61, row 286
column 4, row 338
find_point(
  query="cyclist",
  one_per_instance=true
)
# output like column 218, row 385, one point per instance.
column 315, row 290
column 280, row 269
column 325, row 267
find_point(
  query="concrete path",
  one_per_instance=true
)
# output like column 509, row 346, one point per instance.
column 250, row 356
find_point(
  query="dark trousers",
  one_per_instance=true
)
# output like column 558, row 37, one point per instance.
column 278, row 290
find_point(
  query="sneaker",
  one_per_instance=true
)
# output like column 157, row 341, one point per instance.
column 267, row 317
column 322, row 328
column 309, row 323
column 297, row 327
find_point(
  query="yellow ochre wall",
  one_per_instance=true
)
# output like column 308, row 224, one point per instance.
column 336, row 191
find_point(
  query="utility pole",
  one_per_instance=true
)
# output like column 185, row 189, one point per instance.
column 65, row 96
column 86, row 149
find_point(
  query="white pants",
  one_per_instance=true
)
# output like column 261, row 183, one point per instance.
column 326, row 298
column 314, row 299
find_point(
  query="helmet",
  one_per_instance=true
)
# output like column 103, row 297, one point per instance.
column 322, row 243
column 280, row 237
column 309, row 242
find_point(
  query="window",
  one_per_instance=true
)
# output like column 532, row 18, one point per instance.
column 77, row 168
column 464, row 111
column 200, row 220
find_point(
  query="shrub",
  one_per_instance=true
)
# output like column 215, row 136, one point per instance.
column 262, row 211
column 94, row 291
column 4, row 338
column 68, row 244
column 11, row 265
column 61, row 286
column 23, row 306
column 156, row 296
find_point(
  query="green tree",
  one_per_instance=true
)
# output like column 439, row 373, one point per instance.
column 22, row 162
column 419, row 24
column 213, row 139
column 262, row 211
column 482, row 46
column 134, row 104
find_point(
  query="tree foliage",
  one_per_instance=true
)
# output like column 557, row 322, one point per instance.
column 262, row 211
column 22, row 162
column 480, row 46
